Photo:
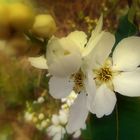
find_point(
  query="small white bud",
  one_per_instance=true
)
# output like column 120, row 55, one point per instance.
column 44, row 123
column 41, row 116
column 40, row 100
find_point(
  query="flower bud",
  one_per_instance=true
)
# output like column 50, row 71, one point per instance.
column 21, row 16
column 44, row 26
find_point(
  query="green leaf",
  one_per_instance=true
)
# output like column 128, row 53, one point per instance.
column 100, row 129
column 126, row 28
column 122, row 124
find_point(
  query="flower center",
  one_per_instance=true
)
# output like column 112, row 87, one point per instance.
column 78, row 81
column 104, row 74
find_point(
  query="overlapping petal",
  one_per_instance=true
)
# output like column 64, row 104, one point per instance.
column 102, row 50
column 95, row 35
column 90, row 89
column 78, row 114
column 128, row 83
column 60, row 87
column 104, row 101
column 79, row 38
column 126, row 56
column 64, row 57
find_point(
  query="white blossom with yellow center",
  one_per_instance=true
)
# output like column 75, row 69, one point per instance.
column 119, row 74
column 70, row 73
column 67, row 60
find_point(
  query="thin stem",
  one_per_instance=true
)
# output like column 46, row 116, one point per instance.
column 39, row 78
column 117, row 122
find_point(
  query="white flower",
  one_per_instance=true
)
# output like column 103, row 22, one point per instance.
column 44, row 123
column 117, row 74
column 41, row 116
column 40, row 100
column 56, row 132
column 70, row 99
column 63, row 55
column 57, row 129
column 62, row 86
column 28, row 116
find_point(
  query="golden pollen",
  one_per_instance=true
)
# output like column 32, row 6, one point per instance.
column 78, row 81
column 104, row 74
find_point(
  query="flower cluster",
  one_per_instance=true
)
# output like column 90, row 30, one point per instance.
column 89, row 68
column 53, row 124
column 39, row 119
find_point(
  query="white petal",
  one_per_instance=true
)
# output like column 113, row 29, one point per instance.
column 102, row 50
column 63, row 56
column 63, row 117
column 63, row 131
column 128, row 83
column 38, row 62
column 95, row 32
column 57, row 136
column 77, row 134
column 53, row 130
column 55, row 119
column 65, row 66
column 79, row 37
column 60, row 87
column 104, row 101
column 50, row 131
column 90, row 46
column 84, row 126
column 126, row 56
column 98, row 27
column 90, row 88
column 78, row 114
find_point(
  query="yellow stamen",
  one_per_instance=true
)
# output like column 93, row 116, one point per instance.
column 78, row 81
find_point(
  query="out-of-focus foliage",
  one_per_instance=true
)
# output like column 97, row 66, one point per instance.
column 15, row 80
column 71, row 14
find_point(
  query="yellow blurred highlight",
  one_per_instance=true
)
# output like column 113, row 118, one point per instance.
column 44, row 26
column 21, row 16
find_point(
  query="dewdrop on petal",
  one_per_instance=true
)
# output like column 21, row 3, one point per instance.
column 21, row 16
column 44, row 26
